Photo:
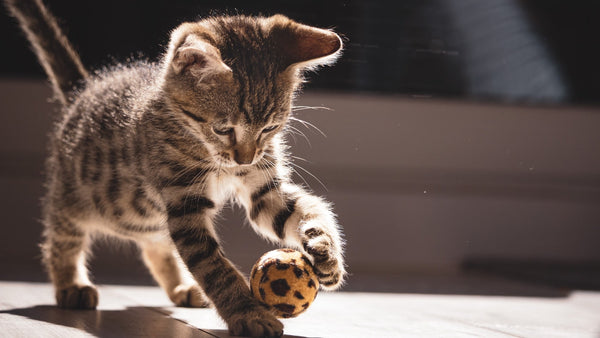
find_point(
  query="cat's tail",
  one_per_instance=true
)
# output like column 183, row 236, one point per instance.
column 54, row 52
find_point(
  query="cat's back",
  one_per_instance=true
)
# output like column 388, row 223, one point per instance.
column 95, row 155
column 119, row 86
column 108, row 104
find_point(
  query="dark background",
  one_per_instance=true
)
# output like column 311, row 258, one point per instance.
column 411, row 47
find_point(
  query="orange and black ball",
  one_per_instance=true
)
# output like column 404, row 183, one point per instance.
column 285, row 280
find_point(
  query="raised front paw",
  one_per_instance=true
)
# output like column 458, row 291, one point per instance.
column 255, row 321
column 327, row 257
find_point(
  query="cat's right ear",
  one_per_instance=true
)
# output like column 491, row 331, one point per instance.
column 304, row 46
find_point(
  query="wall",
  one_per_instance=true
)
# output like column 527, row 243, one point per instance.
column 419, row 185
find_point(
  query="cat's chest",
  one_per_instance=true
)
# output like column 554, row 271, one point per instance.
column 223, row 186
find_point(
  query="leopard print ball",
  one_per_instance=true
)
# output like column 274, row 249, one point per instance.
column 285, row 280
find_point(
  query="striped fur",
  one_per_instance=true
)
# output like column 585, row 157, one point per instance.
column 152, row 151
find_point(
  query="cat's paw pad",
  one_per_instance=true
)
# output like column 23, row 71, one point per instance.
column 255, row 323
column 77, row 297
column 189, row 296
column 328, row 263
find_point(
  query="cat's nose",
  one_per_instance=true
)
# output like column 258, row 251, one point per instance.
column 244, row 155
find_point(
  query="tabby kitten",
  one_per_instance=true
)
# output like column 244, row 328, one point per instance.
column 151, row 152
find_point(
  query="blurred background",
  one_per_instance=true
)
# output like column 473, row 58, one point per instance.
column 457, row 139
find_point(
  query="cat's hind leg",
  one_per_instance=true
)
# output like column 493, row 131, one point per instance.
column 64, row 254
column 169, row 271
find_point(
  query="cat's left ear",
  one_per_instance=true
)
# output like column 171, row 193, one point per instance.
column 192, row 54
column 199, row 58
column 303, row 45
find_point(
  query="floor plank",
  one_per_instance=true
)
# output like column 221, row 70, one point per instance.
column 26, row 308
column 142, row 311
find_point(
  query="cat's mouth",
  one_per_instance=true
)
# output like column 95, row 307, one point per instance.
column 224, row 160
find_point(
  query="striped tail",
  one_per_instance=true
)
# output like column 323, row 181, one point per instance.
column 54, row 52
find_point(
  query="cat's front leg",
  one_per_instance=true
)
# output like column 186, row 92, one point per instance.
column 190, row 227
column 286, row 212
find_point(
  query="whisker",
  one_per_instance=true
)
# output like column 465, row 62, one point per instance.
column 291, row 167
column 297, row 131
column 267, row 172
column 291, row 133
column 271, row 171
column 307, row 125
column 311, row 174
column 301, row 177
column 300, row 158
column 300, row 108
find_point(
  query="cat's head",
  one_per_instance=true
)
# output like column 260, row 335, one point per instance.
column 234, row 78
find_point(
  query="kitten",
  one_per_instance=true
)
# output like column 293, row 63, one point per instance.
column 151, row 151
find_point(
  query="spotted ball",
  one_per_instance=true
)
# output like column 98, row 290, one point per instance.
column 285, row 280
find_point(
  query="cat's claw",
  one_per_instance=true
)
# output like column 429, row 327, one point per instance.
column 77, row 297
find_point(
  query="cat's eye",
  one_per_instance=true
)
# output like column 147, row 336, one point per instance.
column 223, row 131
column 269, row 129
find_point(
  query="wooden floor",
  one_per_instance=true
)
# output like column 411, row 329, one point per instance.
column 26, row 310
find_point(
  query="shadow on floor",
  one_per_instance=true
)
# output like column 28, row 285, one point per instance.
column 135, row 321
column 129, row 322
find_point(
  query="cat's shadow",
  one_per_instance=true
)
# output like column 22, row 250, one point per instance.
column 129, row 322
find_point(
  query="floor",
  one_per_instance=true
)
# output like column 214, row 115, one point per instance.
column 26, row 310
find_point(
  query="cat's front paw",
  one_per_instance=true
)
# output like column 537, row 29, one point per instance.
column 189, row 296
column 255, row 322
column 77, row 297
column 327, row 258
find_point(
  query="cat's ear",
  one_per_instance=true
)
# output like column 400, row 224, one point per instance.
column 303, row 45
column 191, row 53
column 198, row 58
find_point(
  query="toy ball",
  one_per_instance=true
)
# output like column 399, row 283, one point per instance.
column 285, row 280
